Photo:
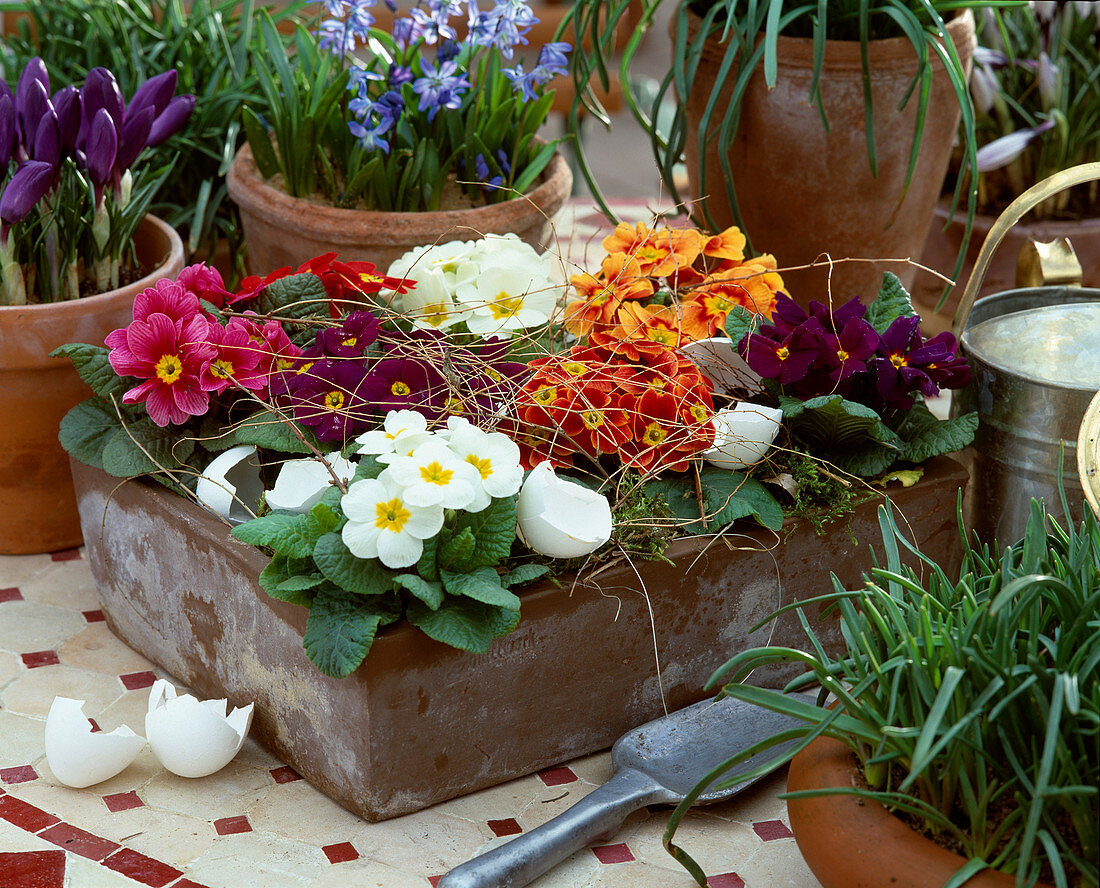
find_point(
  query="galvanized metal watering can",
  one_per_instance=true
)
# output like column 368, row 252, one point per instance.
column 1035, row 356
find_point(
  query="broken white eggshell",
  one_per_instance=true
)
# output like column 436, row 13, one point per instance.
column 231, row 485
column 742, row 435
column 561, row 518
column 190, row 737
column 302, row 482
column 718, row 360
column 77, row 756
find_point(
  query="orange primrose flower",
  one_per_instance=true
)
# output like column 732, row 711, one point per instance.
column 620, row 279
column 659, row 253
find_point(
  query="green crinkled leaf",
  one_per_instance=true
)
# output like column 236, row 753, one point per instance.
column 295, row 296
column 363, row 576
column 215, row 437
column 290, row 535
column 368, row 467
column 524, row 573
column 482, row 584
column 925, row 436
column 866, row 460
column 831, row 423
column 86, row 429
column 339, row 632
column 891, row 303
column 91, row 363
column 428, row 592
column 740, row 322
column 428, row 565
column 280, row 581
column 463, row 623
column 143, row 447
column 266, row 430
column 727, row 496
column 493, row 530
column 458, row 550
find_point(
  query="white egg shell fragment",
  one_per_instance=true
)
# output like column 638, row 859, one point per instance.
column 231, row 486
column 190, row 737
column 302, row 482
column 742, row 435
column 718, row 360
column 561, row 518
column 77, row 756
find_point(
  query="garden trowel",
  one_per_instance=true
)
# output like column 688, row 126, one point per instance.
column 658, row 763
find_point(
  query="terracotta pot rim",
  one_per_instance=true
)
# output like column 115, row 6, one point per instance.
column 91, row 303
column 343, row 223
column 797, row 52
column 885, row 841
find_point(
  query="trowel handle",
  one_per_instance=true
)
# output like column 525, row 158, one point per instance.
column 530, row 855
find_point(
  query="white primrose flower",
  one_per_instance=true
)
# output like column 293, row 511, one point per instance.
column 507, row 297
column 493, row 454
column 382, row 524
column 302, row 482
column 401, row 433
column 455, row 260
column 430, row 305
column 433, row 474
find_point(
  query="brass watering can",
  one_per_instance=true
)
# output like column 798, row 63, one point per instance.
column 1035, row 357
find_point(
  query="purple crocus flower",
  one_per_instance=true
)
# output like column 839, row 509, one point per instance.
column 47, row 140
column 66, row 104
column 1001, row 152
column 135, row 136
column 29, row 184
column 171, row 120
column 7, row 129
column 156, row 92
column 32, row 101
column 101, row 90
column 101, row 148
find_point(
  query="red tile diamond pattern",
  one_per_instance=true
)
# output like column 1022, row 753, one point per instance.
column 65, row 555
column 285, row 774
column 95, row 616
column 726, row 880
column 341, row 852
column 122, row 801
column 141, row 868
column 18, row 774
column 24, row 815
column 613, row 853
column 507, row 827
column 32, row 869
column 229, row 826
column 78, row 841
column 13, row 594
column 770, row 830
column 557, row 776
column 134, row 681
column 40, row 658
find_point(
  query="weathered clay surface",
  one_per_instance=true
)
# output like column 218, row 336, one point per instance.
column 281, row 230
column 37, row 505
column 421, row 722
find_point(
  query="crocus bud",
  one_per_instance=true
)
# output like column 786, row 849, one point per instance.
column 101, row 149
column 1001, row 152
column 1047, row 78
column 101, row 91
column 47, row 140
column 155, row 93
column 135, row 134
column 171, row 119
column 26, row 188
column 66, row 104
column 983, row 89
column 7, row 130
column 31, row 102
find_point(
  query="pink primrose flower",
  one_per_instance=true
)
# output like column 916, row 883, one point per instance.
column 206, row 283
column 168, row 298
column 236, row 360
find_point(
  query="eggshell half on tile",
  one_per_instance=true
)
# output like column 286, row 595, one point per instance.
column 190, row 737
column 77, row 756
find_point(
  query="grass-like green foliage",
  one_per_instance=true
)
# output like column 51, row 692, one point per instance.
column 208, row 42
column 964, row 695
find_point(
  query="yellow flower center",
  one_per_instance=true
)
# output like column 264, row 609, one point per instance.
column 783, row 353
column 284, row 363
column 663, row 335
column 391, row 516
column 899, row 360
column 505, row 306
column 334, row 400
column 718, row 304
column 842, row 355
column 169, row 368
column 492, row 374
column 370, row 278
column 434, row 473
column 574, row 368
column 351, row 340
column 592, row 418
column 222, row 369
column 435, row 314
column 400, row 389
column 699, row 412
column 484, row 466
column 455, row 405
column 546, row 395
column 305, row 367
column 650, row 253
column 655, row 433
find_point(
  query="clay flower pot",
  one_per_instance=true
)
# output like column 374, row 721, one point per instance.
column 281, row 230
column 803, row 191
column 37, row 503
column 850, row 842
column 945, row 239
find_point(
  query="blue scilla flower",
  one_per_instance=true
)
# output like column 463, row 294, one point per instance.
column 371, row 136
column 523, row 82
column 481, row 169
column 553, row 59
column 434, row 26
column 440, row 88
column 399, row 74
column 448, row 49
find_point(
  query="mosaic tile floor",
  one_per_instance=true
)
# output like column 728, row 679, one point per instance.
column 257, row 823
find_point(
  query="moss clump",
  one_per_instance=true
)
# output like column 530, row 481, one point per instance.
column 820, row 496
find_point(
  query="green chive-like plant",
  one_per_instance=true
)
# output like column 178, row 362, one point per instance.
column 962, row 695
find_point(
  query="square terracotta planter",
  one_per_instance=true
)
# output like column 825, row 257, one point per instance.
column 420, row 722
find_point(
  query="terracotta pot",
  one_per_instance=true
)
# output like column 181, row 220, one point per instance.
column 282, row 230
column 37, row 505
column 854, row 843
column 420, row 722
column 945, row 240
column 803, row 191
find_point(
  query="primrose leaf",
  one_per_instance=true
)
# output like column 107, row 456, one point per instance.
column 363, row 576
column 428, row 592
column 925, row 436
column 493, row 530
column 266, row 430
column 892, row 302
column 740, row 322
column 295, row 296
column 428, row 566
column 285, row 533
column 86, row 429
column 91, row 363
column 142, row 447
column 482, row 584
column 278, row 581
column 457, row 551
column 726, row 495
column 339, row 632
column 463, row 623
column 524, row 573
